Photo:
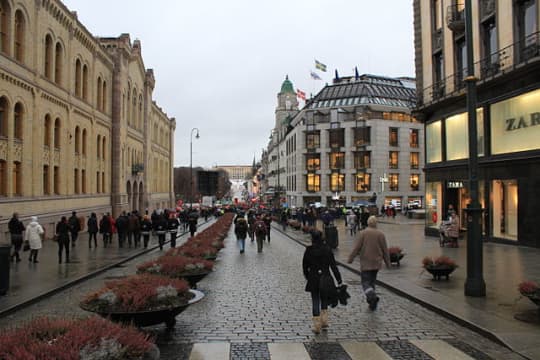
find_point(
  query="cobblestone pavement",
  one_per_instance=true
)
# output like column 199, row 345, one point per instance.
column 253, row 300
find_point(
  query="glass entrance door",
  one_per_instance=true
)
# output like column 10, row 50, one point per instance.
column 505, row 209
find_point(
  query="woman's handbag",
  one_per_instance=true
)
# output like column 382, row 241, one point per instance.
column 26, row 245
column 327, row 288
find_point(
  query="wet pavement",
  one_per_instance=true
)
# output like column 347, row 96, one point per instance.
column 29, row 282
column 505, row 266
column 255, row 307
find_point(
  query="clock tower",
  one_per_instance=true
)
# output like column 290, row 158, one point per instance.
column 287, row 105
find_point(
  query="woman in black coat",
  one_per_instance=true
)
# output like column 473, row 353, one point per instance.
column 93, row 229
column 62, row 237
column 318, row 260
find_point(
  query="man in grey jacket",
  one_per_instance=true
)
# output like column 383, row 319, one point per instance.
column 373, row 250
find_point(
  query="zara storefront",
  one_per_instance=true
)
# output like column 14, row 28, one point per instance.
column 508, row 168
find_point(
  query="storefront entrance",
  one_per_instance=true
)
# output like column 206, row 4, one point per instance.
column 505, row 209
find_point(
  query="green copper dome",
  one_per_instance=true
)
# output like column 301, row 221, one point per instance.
column 287, row 86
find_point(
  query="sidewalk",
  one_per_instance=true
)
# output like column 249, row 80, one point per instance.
column 505, row 266
column 31, row 282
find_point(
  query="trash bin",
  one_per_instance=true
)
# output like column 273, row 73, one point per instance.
column 331, row 235
column 5, row 251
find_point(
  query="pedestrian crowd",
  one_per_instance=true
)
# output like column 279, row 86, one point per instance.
column 129, row 228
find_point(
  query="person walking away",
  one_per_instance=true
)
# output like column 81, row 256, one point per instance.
column 74, row 227
column 251, row 224
column 373, row 250
column 283, row 219
column 146, row 229
column 122, row 223
column 240, row 229
column 92, row 225
column 33, row 234
column 172, row 226
column 260, row 233
column 105, row 228
column 62, row 237
column 351, row 222
column 317, row 261
column 135, row 227
column 16, row 229
column 364, row 216
column 267, row 221
column 192, row 224
column 160, row 227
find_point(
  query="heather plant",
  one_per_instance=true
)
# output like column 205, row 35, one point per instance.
column 175, row 266
column 144, row 292
column 63, row 339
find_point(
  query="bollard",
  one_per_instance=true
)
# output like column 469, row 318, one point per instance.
column 5, row 251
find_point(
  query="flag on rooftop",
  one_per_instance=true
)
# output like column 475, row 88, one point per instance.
column 320, row 65
column 301, row 94
column 314, row 76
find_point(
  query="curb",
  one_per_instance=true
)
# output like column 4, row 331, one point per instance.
column 46, row 294
column 463, row 322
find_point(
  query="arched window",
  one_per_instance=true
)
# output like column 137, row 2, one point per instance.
column 57, row 133
column 98, row 96
column 104, row 97
column 140, row 112
column 83, row 181
column 47, row 131
column 128, row 105
column 77, row 140
column 20, row 33
column 76, row 189
column 46, row 183
column 17, row 178
column 98, row 146
column 3, row 178
column 4, row 26
column 48, row 56
column 78, row 74
column 84, row 142
column 134, row 109
column 85, row 82
column 18, row 115
column 3, row 117
column 103, row 148
column 58, row 63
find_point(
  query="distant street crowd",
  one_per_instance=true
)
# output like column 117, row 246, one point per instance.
column 129, row 228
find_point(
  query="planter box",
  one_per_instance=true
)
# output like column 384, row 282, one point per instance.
column 440, row 272
column 152, row 317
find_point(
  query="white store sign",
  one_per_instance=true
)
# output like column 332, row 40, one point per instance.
column 515, row 124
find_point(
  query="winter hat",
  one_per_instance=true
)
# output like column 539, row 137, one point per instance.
column 33, row 218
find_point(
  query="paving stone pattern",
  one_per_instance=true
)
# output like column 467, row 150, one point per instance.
column 402, row 349
column 324, row 351
column 254, row 351
column 252, row 299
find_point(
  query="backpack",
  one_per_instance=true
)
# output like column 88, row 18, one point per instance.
column 260, row 227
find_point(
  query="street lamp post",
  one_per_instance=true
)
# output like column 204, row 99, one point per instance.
column 474, row 285
column 191, row 165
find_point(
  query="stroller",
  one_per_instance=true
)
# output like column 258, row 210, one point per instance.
column 444, row 239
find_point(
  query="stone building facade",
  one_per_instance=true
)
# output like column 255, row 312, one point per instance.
column 356, row 137
column 506, row 52
column 79, row 130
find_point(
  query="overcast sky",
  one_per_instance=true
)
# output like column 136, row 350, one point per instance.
column 220, row 64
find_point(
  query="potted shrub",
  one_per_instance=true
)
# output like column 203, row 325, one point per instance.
column 396, row 254
column 194, row 250
column 439, row 267
column 530, row 290
column 191, row 269
column 89, row 338
column 143, row 299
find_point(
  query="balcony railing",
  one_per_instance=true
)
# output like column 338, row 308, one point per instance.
column 137, row 168
column 455, row 18
column 503, row 61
